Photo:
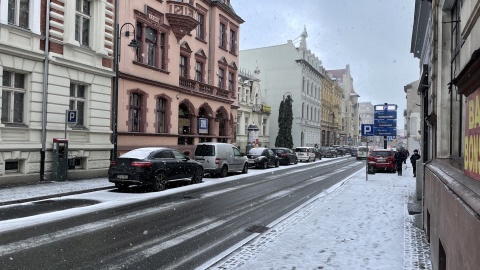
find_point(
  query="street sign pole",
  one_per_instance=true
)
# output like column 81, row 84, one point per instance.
column 366, row 163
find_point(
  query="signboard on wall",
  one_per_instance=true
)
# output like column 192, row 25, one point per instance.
column 202, row 126
column 472, row 136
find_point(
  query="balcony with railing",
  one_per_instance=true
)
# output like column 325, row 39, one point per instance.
column 181, row 17
column 203, row 88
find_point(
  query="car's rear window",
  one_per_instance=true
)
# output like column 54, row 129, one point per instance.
column 300, row 149
column 205, row 150
column 381, row 153
column 137, row 153
column 256, row 151
column 280, row 151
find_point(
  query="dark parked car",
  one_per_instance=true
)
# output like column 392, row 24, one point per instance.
column 340, row 150
column 285, row 155
column 262, row 158
column 353, row 152
column 318, row 153
column 329, row 152
column 153, row 167
column 382, row 160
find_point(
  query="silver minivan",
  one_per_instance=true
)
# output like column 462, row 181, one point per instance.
column 220, row 158
column 362, row 152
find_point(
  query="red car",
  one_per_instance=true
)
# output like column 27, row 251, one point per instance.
column 382, row 160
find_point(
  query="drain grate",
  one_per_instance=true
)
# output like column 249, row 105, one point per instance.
column 257, row 229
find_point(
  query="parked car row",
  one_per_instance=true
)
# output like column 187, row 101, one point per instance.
column 154, row 167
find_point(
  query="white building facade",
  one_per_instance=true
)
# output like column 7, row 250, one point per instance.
column 252, row 111
column 38, row 88
column 295, row 71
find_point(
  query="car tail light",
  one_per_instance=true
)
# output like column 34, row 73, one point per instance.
column 217, row 160
column 113, row 163
column 284, row 155
column 141, row 164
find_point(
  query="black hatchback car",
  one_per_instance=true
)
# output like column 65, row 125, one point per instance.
column 262, row 158
column 153, row 167
column 285, row 155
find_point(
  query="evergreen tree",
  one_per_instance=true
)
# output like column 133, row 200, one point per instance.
column 285, row 120
column 279, row 141
column 288, row 121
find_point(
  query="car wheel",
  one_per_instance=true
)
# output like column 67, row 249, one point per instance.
column 277, row 163
column 314, row 158
column 121, row 186
column 296, row 161
column 159, row 183
column 265, row 164
column 245, row 169
column 224, row 171
column 197, row 176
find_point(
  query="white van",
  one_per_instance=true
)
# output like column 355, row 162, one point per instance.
column 220, row 158
column 362, row 152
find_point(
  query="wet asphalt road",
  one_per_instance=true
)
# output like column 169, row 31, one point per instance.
column 180, row 231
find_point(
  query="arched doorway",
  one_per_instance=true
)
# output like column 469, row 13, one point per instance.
column 221, row 117
column 184, row 125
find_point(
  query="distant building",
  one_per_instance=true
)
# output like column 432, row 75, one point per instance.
column 295, row 71
column 350, row 118
column 412, row 117
column 252, row 111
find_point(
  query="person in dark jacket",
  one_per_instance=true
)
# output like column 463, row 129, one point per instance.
column 413, row 160
column 398, row 159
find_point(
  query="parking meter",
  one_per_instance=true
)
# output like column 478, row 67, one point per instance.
column 60, row 159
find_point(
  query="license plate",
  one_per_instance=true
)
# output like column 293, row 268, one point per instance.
column 380, row 160
column 122, row 176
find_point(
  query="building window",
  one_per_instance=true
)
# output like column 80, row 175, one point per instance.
column 12, row 166
column 183, row 66
column 233, row 41
column 13, row 94
column 82, row 22
column 135, row 112
column 161, row 115
column 77, row 102
column 151, row 43
column 199, row 72
column 221, row 78
column 231, row 77
column 223, row 36
column 18, row 12
column 201, row 26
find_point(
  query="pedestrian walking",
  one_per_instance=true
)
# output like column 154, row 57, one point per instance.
column 413, row 160
column 405, row 154
column 398, row 159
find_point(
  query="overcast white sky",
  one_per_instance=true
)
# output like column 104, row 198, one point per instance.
column 372, row 36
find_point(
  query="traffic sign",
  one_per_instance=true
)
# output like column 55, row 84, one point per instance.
column 385, row 123
column 386, row 107
column 367, row 130
column 385, row 115
column 72, row 117
column 385, row 131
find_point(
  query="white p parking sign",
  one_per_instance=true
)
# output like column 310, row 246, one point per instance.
column 367, row 130
column 72, row 117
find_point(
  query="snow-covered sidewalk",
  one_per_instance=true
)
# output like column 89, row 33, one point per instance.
column 358, row 225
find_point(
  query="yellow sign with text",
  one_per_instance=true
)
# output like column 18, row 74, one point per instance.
column 472, row 136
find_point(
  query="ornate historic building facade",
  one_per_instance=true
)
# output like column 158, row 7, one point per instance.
column 332, row 101
column 178, row 87
column 51, row 64
column 252, row 111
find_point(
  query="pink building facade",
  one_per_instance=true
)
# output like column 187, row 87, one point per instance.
column 178, row 87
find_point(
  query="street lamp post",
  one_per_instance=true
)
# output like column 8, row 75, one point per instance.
column 333, row 127
column 133, row 44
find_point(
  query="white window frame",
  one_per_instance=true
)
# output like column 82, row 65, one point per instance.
column 81, row 15
column 78, row 99
column 13, row 90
